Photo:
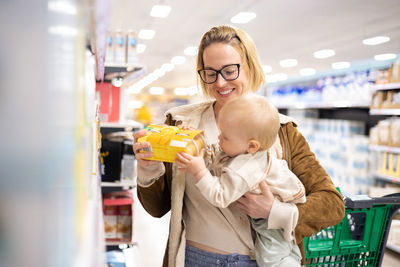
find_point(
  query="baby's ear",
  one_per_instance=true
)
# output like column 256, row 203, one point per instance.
column 253, row 146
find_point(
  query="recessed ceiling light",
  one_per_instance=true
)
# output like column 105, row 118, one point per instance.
column 324, row 53
column 156, row 90
column 167, row 66
column 146, row 34
column 376, row 40
column 190, row 51
column 307, row 71
column 340, row 65
column 140, row 48
column 243, row 17
column 160, row 11
column 159, row 72
column 181, row 91
column 63, row 30
column 387, row 56
column 266, row 68
column 62, row 7
column 177, row 60
column 288, row 63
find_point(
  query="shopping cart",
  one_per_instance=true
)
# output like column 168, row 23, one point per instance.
column 359, row 239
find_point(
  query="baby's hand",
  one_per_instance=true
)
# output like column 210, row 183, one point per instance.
column 186, row 127
column 192, row 164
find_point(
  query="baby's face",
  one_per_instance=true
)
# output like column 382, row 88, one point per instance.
column 231, row 141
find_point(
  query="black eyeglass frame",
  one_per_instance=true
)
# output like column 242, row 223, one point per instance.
column 220, row 72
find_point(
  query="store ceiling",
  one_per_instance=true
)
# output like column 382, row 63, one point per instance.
column 282, row 29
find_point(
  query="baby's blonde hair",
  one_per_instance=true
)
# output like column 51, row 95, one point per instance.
column 255, row 117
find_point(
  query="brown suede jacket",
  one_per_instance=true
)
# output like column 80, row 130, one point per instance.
column 324, row 206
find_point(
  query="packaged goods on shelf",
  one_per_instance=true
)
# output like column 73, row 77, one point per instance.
column 386, row 132
column 118, row 216
column 383, row 77
column 395, row 72
column 132, row 54
column 341, row 148
column 353, row 89
column 110, row 51
column 120, row 47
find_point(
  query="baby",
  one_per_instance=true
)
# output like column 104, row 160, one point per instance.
column 249, row 128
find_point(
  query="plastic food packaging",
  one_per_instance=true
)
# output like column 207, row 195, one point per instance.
column 166, row 141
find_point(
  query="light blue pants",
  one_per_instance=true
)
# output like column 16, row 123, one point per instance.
column 195, row 257
column 272, row 250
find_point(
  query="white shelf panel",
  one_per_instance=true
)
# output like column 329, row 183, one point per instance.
column 393, row 247
column 387, row 111
column 334, row 104
column 118, row 184
column 387, row 86
column 392, row 179
column 384, row 148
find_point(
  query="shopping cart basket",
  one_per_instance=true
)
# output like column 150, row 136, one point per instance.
column 359, row 239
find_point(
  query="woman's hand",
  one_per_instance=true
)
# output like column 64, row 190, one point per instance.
column 139, row 146
column 257, row 206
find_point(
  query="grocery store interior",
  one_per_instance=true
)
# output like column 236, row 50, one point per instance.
column 80, row 77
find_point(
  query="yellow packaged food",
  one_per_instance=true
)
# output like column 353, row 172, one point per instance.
column 166, row 141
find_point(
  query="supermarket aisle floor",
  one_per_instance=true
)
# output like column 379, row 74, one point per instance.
column 151, row 235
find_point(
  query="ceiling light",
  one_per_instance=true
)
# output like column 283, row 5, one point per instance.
column 324, row 53
column 167, row 67
column 140, row 48
column 376, row 40
column 156, row 90
column 159, row 72
column 307, row 71
column 266, row 68
column 181, row 91
column 288, row 63
column 243, row 17
column 146, row 34
column 62, row 7
column 160, row 11
column 340, row 65
column 190, row 51
column 385, row 56
column 63, row 30
column 178, row 60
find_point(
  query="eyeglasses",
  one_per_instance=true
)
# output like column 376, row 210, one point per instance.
column 229, row 73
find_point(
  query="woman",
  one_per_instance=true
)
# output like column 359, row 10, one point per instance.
column 228, row 66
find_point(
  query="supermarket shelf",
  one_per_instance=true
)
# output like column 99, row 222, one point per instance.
column 334, row 104
column 118, row 184
column 388, row 111
column 384, row 149
column 389, row 178
column 393, row 247
column 118, row 243
column 387, row 86
column 133, row 124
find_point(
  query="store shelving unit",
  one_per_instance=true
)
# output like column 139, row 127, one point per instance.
column 353, row 110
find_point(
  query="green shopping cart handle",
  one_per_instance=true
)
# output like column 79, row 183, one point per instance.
column 367, row 202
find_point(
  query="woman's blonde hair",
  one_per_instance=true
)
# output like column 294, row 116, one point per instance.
column 245, row 46
column 254, row 117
